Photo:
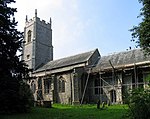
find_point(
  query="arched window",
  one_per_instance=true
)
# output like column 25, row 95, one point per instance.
column 61, row 84
column 29, row 36
column 40, row 91
column 33, row 86
column 47, row 85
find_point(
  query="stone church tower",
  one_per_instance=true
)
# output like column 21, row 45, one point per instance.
column 37, row 49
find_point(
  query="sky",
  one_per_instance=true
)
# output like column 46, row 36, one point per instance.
column 84, row 25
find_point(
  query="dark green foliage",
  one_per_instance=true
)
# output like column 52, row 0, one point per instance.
column 141, row 33
column 139, row 99
column 139, row 103
column 25, row 97
column 13, row 97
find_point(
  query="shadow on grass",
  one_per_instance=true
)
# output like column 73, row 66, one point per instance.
column 71, row 112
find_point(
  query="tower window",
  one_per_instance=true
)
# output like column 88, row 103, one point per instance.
column 28, row 56
column 29, row 36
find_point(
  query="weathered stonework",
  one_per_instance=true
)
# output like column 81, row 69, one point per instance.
column 39, row 50
column 82, row 78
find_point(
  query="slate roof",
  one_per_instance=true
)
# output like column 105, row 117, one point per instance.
column 68, row 61
column 122, row 58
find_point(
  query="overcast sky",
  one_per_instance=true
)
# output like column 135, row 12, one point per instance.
column 83, row 25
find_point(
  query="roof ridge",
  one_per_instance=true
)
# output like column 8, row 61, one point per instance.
column 74, row 55
column 115, row 53
column 70, row 60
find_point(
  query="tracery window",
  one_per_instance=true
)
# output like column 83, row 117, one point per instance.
column 61, row 85
column 40, row 91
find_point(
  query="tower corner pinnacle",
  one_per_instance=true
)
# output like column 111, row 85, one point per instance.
column 26, row 18
column 35, row 12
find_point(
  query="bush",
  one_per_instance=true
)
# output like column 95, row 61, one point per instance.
column 139, row 104
column 25, row 97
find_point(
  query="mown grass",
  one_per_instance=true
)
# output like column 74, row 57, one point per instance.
column 72, row 112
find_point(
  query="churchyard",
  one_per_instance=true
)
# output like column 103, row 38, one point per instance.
column 72, row 112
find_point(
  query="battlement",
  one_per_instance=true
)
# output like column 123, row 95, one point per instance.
column 40, row 22
column 38, row 48
column 36, row 19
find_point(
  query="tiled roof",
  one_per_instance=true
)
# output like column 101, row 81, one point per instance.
column 68, row 61
column 122, row 58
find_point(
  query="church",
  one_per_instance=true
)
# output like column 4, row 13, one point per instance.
column 82, row 78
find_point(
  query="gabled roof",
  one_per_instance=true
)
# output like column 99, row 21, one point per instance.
column 67, row 61
column 122, row 58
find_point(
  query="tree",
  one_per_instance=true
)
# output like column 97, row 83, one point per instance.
column 139, row 99
column 141, row 33
column 13, row 71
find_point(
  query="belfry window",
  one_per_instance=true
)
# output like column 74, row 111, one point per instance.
column 29, row 36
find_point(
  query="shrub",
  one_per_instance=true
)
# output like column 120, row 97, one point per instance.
column 139, row 104
column 25, row 97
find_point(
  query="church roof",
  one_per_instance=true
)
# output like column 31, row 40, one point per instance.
column 67, row 61
column 122, row 59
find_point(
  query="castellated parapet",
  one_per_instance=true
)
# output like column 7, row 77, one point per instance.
column 43, row 23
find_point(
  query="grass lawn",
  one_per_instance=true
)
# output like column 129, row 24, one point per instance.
column 72, row 112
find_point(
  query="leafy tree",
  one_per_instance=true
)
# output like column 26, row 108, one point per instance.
column 141, row 33
column 139, row 99
column 139, row 103
column 13, row 72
